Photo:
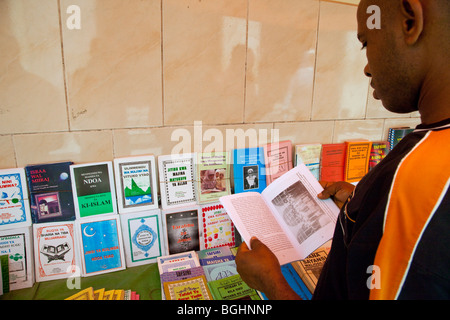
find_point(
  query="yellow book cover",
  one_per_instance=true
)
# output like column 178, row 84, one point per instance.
column 108, row 295
column 356, row 159
column 118, row 295
column 86, row 294
column 189, row 289
column 98, row 294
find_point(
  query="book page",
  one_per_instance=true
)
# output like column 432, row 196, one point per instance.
column 308, row 220
column 252, row 217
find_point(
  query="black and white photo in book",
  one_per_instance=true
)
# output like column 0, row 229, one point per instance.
column 299, row 211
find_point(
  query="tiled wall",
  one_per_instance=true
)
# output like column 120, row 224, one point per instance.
column 151, row 76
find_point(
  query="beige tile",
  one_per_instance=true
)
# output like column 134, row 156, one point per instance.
column 79, row 147
column 281, row 56
column 358, row 129
column 340, row 89
column 229, row 137
column 32, row 97
column 7, row 156
column 353, row 2
column 306, row 132
column 186, row 139
column 156, row 141
column 113, row 64
column 204, row 61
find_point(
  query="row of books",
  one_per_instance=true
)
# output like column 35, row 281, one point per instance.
column 103, row 294
column 110, row 242
column 94, row 246
column 211, row 274
column 65, row 191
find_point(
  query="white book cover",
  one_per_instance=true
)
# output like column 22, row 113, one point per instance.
column 218, row 229
column 93, row 189
column 56, row 253
column 100, row 244
column 14, row 203
column 18, row 245
column 136, row 183
column 143, row 237
column 177, row 180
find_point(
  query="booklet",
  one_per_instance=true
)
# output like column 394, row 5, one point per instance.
column 287, row 216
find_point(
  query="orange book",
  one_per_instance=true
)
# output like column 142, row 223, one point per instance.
column 357, row 155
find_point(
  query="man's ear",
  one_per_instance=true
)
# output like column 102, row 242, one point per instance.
column 412, row 20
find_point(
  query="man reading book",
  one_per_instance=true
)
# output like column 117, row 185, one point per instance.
column 392, row 237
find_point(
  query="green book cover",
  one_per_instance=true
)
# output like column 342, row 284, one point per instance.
column 232, row 288
column 93, row 189
column 4, row 273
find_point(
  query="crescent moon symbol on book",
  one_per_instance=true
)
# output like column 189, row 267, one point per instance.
column 86, row 234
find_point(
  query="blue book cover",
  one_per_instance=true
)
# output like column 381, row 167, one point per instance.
column 294, row 281
column 102, row 248
column 249, row 171
column 50, row 187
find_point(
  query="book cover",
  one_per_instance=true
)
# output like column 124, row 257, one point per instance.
column 213, row 176
column 55, row 250
column 190, row 289
column 249, row 170
column 332, row 162
column 309, row 154
column 177, row 262
column 85, row 294
column 396, row 134
column 4, row 274
column 232, row 288
column 219, row 271
column 205, row 254
column 181, row 274
column 287, row 216
column 357, row 155
column 177, row 180
column 309, row 269
column 182, row 229
column 51, row 197
column 93, row 189
column 14, row 204
column 143, row 237
column 136, row 184
column 218, row 229
column 278, row 159
column 17, row 245
column 379, row 151
column 101, row 245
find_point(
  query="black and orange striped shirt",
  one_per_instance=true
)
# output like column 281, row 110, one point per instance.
column 399, row 222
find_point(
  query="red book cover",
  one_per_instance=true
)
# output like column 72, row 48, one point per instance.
column 332, row 162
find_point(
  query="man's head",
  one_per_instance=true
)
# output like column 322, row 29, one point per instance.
column 413, row 39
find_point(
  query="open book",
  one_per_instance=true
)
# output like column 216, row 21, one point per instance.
column 287, row 216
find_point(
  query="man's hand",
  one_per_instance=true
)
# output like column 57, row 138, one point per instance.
column 260, row 269
column 338, row 191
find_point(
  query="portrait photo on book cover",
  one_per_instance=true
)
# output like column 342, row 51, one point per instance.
column 300, row 211
column 250, row 177
column 213, row 180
